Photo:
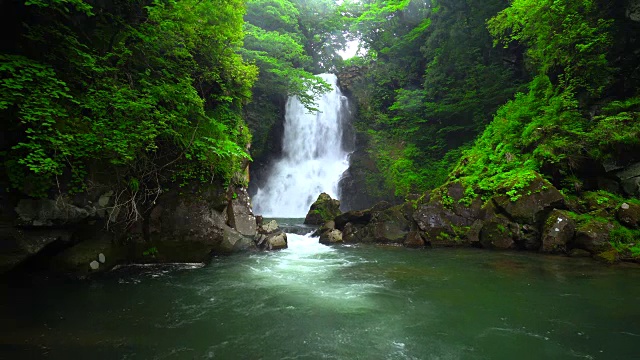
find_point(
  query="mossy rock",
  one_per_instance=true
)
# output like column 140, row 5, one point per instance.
column 629, row 215
column 498, row 233
column 593, row 235
column 558, row 230
column 531, row 203
column 322, row 210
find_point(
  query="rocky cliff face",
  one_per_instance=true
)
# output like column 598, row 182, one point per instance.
column 536, row 217
column 91, row 233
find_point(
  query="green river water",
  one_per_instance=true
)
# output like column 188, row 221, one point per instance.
column 345, row 302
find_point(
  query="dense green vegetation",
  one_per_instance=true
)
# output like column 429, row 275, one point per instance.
column 433, row 81
column 151, row 91
column 438, row 71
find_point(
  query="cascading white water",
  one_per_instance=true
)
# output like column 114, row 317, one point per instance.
column 313, row 157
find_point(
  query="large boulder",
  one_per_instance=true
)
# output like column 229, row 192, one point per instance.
column 240, row 213
column 331, row 237
column 630, row 179
column 390, row 225
column 355, row 217
column 100, row 250
column 557, row 232
column 270, row 236
column 629, row 215
column 498, row 233
column 532, row 203
column 190, row 226
column 593, row 236
column 19, row 244
column 414, row 240
column 48, row 212
column 322, row 210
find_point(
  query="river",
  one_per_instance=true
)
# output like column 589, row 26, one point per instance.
column 311, row 301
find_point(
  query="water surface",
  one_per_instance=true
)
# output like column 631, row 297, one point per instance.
column 348, row 302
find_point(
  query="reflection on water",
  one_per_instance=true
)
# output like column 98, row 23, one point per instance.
column 311, row 302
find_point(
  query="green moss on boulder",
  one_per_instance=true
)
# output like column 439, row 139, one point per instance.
column 322, row 210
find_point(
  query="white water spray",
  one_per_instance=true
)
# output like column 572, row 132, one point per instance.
column 313, row 157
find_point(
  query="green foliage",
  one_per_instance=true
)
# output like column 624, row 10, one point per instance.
column 277, row 44
column 152, row 252
column 151, row 89
column 431, row 84
column 570, row 36
column 625, row 241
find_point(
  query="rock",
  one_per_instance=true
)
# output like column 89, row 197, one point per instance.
column 331, row 237
column 630, row 179
column 356, row 233
column 389, row 225
column 240, row 213
column 329, row 225
column 498, row 233
column 322, row 210
column 414, row 240
column 363, row 185
column 277, row 241
column 633, row 10
column 557, row 232
column 268, row 228
column 359, row 217
column 233, row 241
column 192, row 224
column 533, row 202
column 593, row 236
column 629, row 215
column 18, row 244
column 441, row 226
column 94, row 265
column 47, row 212
column 74, row 260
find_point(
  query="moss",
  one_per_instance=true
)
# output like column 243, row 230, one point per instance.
column 625, row 241
column 610, row 256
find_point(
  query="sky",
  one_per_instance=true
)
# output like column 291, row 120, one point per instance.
column 350, row 51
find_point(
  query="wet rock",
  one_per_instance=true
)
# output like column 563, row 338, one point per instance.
column 532, row 203
column 357, row 217
column 18, row 244
column 47, row 212
column 268, row 228
column 240, row 213
column 389, row 225
column 498, row 233
column 630, row 179
column 74, row 260
column 277, row 241
column 331, row 237
column 414, row 240
column 233, row 241
column 629, row 215
column 190, row 225
column 593, row 236
column 322, row 210
column 356, row 233
column 557, row 232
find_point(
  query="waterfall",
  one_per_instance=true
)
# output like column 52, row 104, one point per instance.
column 313, row 157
